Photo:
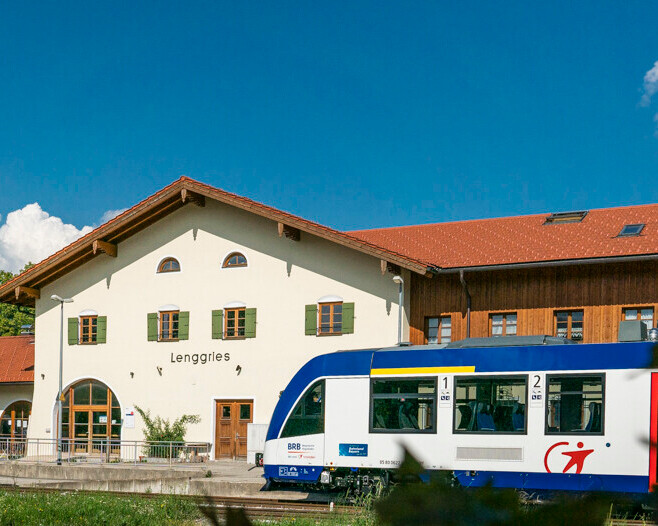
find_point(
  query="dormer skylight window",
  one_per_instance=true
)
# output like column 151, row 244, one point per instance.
column 631, row 230
column 566, row 217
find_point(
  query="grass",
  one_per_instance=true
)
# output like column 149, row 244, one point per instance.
column 86, row 509
column 82, row 509
column 78, row 509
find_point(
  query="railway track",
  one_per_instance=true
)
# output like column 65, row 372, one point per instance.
column 255, row 507
column 276, row 508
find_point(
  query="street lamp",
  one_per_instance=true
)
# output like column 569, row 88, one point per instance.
column 400, row 282
column 62, row 301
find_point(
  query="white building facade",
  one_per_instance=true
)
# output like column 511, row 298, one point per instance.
column 208, row 310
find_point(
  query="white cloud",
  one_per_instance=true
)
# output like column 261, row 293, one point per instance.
column 31, row 234
column 111, row 214
column 650, row 85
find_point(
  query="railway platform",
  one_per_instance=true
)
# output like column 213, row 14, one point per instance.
column 216, row 478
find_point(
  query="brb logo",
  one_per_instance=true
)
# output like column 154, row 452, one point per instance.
column 576, row 457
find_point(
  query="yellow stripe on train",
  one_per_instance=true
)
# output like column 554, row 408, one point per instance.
column 424, row 370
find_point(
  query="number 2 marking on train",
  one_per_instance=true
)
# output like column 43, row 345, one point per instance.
column 537, row 381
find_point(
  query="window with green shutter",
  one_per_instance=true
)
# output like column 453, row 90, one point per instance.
column 329, row 318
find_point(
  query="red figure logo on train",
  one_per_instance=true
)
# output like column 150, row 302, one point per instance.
column 576, row 458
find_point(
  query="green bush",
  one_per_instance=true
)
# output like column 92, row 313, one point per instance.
column 157, row 429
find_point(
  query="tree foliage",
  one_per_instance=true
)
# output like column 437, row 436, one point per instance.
column 13, row 316
column 158, row 429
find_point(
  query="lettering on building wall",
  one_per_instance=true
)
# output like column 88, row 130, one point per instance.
column 202, row 358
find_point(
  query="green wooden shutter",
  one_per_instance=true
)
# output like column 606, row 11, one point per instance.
column 218, row 325
column 250, row 323
column 348, row 318
column 101, row 327
column 311, row 322
column 152, row 325
column 73, row 331
column 183, row 325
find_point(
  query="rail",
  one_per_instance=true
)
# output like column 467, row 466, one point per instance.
column 102, row 451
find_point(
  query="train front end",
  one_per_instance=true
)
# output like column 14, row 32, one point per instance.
column 295, row 442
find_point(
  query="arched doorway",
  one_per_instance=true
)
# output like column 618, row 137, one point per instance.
column 91, row 416
column 14, row 420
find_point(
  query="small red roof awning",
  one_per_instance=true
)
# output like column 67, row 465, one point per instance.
column 17, row 359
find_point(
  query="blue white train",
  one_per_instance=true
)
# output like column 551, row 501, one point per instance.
column 538, row 414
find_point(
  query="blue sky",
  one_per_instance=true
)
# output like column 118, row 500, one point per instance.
column 354, row 114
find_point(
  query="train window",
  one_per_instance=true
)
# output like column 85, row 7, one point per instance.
column 308, row 416
column 486, row 404
column 403, row 405
column 575, row 404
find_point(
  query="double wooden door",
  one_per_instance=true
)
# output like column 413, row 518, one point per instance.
column 231, row 419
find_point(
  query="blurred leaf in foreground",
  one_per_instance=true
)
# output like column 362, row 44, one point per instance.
column 440, row 502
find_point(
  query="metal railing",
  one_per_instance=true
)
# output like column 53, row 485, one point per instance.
column 99, row 451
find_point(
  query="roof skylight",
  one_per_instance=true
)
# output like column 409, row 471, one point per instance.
column 631, row 230
column 566, row 217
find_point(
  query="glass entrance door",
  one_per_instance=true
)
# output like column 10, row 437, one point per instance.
column 98, row 430
column 91, row 418
column 81, row 431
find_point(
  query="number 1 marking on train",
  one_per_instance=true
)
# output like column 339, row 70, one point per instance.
column 445, row 394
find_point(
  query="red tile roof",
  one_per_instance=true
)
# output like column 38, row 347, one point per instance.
column 522, row 239
column 16, row 359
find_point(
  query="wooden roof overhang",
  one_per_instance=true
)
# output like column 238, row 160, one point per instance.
column 24, row 289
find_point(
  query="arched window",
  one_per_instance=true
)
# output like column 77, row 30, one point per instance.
column 235, row 259
column 90, row 416
column 14, row 420
column 169, row 265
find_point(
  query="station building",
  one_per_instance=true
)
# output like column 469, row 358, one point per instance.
column 569, row 274
column 197, row 301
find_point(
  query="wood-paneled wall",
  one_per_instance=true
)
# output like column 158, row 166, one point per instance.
column 601, row 291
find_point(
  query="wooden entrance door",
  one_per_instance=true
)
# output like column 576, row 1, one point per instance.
column 231, row 419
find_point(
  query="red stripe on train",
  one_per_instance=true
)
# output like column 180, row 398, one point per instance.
column 653, row 435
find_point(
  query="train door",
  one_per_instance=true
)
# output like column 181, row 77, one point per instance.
column 653, row 436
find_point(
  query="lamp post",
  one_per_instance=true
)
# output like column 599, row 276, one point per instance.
column 400, row 282
column 62, row 301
